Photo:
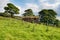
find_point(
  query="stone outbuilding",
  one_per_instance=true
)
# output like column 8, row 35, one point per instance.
column 31, row 19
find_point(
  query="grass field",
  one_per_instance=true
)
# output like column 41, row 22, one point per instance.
column 13, row 29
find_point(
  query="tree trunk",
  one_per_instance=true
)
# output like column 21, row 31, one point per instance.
column 12, row 15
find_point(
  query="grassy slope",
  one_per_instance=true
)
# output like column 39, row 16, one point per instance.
column 13, row 29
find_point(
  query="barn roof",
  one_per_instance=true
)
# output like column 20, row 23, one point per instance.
column 30, row 17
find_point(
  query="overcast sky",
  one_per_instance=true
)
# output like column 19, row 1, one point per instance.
column 35, row 5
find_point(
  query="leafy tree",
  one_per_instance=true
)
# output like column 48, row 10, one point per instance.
column 28, row 12
column 47, row 16
column 12, row 9
column 52, row 14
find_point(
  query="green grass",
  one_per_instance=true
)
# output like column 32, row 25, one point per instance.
column 13, row 29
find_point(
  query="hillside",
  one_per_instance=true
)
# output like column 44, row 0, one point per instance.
column 13, row 29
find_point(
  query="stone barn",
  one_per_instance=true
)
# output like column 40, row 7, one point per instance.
column 31, row 19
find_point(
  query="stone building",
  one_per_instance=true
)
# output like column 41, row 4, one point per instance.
column 31, row 19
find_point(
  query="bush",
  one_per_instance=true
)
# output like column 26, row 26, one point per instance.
column 5, row 14
column 57, row 23
column 1, row 14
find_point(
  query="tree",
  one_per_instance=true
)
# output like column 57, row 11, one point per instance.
column 12, row 9
column 52, row 15
column 28, row 12
column 47, row 16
